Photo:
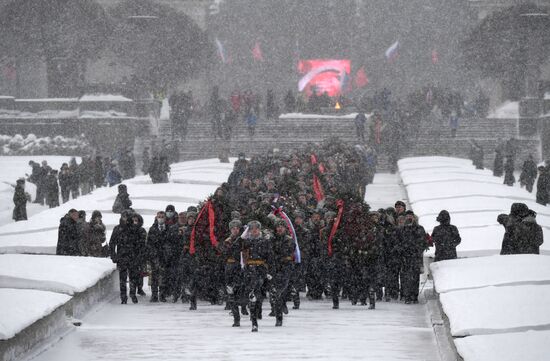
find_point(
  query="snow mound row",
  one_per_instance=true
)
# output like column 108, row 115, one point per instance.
column 469, row 273
column 492, row 309
column 67, row 275
column 21, row 308
column 473, row 197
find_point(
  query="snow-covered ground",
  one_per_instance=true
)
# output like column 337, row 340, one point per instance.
column 500, row 303
column 68, row 275
column 473, row 197
column 470, row 273
column 13, row 168
column 33, row 286
column 20, row 308
column 172, row 332
column 496, row 305
column 191, row 182
column 507, row 110
column 513, row 346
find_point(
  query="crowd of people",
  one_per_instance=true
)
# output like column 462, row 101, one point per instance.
column 505, row 164
column 522, row 233
column 279, row 226
column 54, row 187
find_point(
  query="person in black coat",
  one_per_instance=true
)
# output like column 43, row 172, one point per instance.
column 257, row 252
column 20, row 200
column 529, row 235
column 127, row 246
column 528, row 173
column 509, row 178
column 122, row 200
column 35, row 178
column 68, row 242
column 92, row 244
column 445, row 237
column 412, row 243
column 75, row 171
column 543, row 185
column 161, row 242
column 510, row 222
column 230, row 250
column 280, row 267
column 52, row 189
column 65, row 182
column 498, row 165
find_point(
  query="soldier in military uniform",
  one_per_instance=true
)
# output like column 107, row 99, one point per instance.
column 256, row 254
column 230, row 250
column 281, row 267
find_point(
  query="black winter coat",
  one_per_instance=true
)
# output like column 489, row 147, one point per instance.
column 68, row 238
column 20, row 202
column 283, row 251
column 445, row 237
column 528, row 236
column 162, row 246
column 122, row 203
column 411, row 243
column 127, row 245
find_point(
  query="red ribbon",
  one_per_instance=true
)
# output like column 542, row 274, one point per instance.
column 318, row 189
column 340, row 205
column 211, row 222
column 317, row 186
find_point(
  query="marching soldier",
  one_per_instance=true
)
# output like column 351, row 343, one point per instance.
column 256, row 254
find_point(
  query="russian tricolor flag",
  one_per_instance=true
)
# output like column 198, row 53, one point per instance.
column 221, row 51
column 392, row 52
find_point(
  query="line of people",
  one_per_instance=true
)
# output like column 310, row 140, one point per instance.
column 74, row 179
column 241, row 246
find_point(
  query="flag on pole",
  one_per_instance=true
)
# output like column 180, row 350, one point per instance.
column 435, row 57
column 361, row 79
column 279, row 212
column 392, row 52
column 257, row 52
column 221, row 51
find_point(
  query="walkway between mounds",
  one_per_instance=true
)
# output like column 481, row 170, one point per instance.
column 394, row 331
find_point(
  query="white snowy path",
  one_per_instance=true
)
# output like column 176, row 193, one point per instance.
column 394, row 331
column 384, row 191
column 171, row 332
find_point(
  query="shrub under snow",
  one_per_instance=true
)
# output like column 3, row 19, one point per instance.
column 32, row 145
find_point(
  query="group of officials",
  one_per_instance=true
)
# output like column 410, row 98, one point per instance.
column 279, row 226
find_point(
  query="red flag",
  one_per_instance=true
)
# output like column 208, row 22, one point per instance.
column 318, row 189
column 257, row 52
column 435, row 57
column 340, row 205
column 361, row 79
column 208, row 207
column 317, row 186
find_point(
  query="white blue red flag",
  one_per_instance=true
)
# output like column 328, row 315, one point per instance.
column 221, row 51
column 392, row 52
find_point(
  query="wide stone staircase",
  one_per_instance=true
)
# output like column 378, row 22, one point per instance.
column 287, row 133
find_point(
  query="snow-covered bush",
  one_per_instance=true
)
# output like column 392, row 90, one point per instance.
column 32, row 145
